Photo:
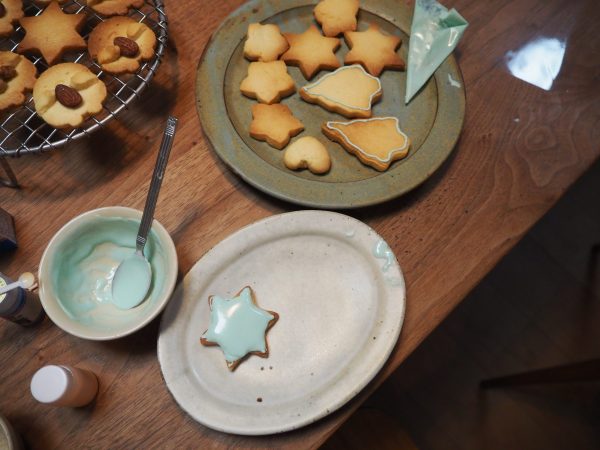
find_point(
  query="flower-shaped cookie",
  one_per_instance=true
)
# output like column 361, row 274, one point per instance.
column 52, row 33
column 17, row 76
column 268, row 82
column 67, row 94
column 120, row 44
column 10, row 13
column 311, row 52
column 114, row 7
column 264, row 43
column 275, row 124
column 239, row 327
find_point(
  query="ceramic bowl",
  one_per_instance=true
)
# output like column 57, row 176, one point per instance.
column 76, row 268
column 9, row 439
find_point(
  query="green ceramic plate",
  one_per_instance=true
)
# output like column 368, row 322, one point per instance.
column 433, row 119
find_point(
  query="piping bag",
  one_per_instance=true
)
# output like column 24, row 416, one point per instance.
column 434, row 33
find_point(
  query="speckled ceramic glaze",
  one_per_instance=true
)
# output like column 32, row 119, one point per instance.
column 432, row 120
column 75, row 272
column 340, row 296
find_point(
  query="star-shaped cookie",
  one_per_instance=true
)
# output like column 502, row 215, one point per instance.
column 10, row 13
column 336, row 16
column 268, row 82
column 52, row 33
column 274, row 124
column 374, row 50
column 239, row 327
column 311, row 52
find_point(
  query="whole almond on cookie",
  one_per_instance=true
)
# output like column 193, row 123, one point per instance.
column 128, row 47
column 67, row 96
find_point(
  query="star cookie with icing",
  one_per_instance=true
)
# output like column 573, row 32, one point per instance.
column 374, row 50
column 311, row 52
column 52, row 33
column 10, row 13
column 239, row 327
column 274, row 124
column 268, row 82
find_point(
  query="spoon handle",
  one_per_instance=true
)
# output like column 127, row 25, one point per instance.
column 159, row 170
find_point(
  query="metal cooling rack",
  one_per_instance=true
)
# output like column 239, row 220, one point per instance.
column 23, row 132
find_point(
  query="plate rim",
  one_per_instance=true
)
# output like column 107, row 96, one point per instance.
column 289, row 425
column 211, row 128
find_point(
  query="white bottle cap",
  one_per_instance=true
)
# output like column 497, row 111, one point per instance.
column 49, row 384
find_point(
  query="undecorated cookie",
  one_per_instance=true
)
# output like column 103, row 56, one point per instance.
column 120, row 44
column 274, row 124
column 376, row 142
column 268, row 82
column 67, row 94
column 114, row 7
column 239, row 326
column 336, row 16
column 264, row 43
column 311, row 52
column 349, row 91
column 10, row 13
column 307, row 153
column 17, row 76
column 52, row 33
column 374, row 50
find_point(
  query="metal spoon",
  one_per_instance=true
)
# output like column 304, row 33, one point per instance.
column 133, row 276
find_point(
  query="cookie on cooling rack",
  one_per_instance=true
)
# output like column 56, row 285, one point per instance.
column 10, row 13
column 52, row 33
column 43, row 3
column 67, row 94
column 114, row 7
column 120, row 44
column 17, row 76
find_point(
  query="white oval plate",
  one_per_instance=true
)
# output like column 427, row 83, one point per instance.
column 340, row 314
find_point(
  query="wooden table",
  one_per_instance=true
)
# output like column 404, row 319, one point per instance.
column 520, row 149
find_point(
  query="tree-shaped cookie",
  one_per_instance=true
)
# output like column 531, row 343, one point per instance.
column 268, row 82
column 52, row 33
column 374, row 50
column 336, row 16
column 311, row 52
column 376, row 142
column 274, row 124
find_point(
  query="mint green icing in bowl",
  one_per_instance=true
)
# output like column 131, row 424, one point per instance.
column 77, row 267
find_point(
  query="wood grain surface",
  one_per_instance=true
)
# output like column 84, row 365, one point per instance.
column 521, row 148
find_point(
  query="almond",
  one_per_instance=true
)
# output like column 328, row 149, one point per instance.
column 7, row 72
column 67, row 96
column 2, row 10
column 127, row 46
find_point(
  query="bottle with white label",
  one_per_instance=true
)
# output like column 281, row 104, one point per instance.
column 64, row 386
column 20, row 305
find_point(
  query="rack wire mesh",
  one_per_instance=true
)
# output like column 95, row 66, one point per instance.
column 22, row 131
